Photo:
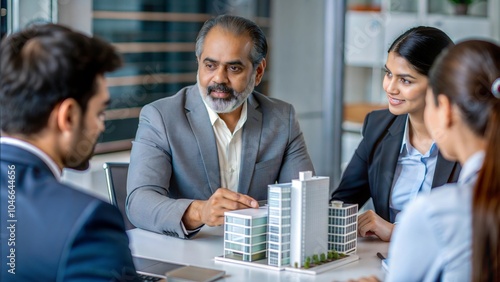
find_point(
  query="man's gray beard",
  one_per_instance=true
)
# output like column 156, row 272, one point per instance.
column 224, row 106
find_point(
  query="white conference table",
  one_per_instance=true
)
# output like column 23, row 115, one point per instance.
column 201, row 250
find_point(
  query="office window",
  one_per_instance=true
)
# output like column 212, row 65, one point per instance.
column 157, row 42
column 274, row 238
column 259, row 221
column 238, row 220
column 237, row 229
column 274, row 229
column 274, row 212
column 274, row 221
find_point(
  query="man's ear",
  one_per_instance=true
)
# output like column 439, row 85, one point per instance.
column 68, row 115
column 259, row 72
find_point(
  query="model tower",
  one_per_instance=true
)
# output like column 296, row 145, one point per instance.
column 309, row 217
column 342, row 227
column 245, row 234
column 278, row 203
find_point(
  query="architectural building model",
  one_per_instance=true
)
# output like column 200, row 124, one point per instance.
column 342, row 227
column 279, row 207
column 309, row 217
column 295, row 225
column 245, row 234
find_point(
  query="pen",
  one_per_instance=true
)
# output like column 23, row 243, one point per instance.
column 380, row 256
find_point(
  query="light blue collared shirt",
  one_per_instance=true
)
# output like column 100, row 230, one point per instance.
column 433, row 240
column 35, row 151
column 414, row 174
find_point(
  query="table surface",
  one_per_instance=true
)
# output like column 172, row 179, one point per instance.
column 201, row 250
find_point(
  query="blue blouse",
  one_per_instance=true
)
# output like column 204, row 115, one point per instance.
column 413, row 176
column 433, row 239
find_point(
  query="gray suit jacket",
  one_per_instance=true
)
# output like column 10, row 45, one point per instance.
column 174, row 157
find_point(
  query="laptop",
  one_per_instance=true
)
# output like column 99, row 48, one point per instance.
column 153, row 270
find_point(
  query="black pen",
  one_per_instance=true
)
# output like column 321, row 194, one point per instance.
column 380, row 256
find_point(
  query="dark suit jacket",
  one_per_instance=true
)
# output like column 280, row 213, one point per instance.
column 174, row 156
column 59, row 234
column 370, row 172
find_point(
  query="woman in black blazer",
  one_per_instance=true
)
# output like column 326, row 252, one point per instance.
column 397, row 158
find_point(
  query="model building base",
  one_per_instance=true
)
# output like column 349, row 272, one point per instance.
column 311, row 271
column 258, row 263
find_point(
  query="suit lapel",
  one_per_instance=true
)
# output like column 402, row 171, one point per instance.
column 443, row 171
column 250, row 144
column 199, row 120
column 390, row 147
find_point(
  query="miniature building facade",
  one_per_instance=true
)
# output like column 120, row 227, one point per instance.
column 245, row 234
column 342, row 227
column 279, row 203
column 309, row 217
column 297, row 223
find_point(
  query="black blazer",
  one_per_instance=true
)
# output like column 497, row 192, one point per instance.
column 371, row 170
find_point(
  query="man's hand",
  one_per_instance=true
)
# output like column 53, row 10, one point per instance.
column 370, row 223
column 211, row 211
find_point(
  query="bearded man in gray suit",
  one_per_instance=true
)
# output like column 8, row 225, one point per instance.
column 214, row 146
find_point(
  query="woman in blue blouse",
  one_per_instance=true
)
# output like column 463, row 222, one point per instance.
column 397, row 158
column 453, row 234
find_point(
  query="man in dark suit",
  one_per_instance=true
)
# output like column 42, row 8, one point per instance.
column 52, row 99
column 216, row 145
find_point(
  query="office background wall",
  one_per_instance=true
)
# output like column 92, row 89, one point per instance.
column 307, row 71
column 297, row 31
column 157, row 41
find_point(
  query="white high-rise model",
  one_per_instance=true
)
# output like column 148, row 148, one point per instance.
column 299, row 224
column 279, row 206
column 309, row 217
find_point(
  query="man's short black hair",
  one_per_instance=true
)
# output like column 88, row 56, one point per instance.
column 239, row 26
column 44, row 65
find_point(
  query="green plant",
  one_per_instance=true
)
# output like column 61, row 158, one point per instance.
column 315, row 259
column 296, row 265
column 467, row 2
column 306, row 264
column 330, row 255
column 322, row 257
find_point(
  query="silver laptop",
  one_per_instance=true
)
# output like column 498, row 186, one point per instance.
column 175, row 272
column 154, row 268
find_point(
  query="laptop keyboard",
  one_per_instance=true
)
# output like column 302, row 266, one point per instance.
column 148, row 278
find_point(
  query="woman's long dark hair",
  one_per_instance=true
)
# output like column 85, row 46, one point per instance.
column 466, row 74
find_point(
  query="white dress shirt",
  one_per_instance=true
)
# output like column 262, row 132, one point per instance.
column 228, row 150
column 433, row 240
column 34, row 150
column 228, row 147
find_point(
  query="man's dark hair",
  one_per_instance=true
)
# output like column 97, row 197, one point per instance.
column 239, row 26
column 44, row 65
